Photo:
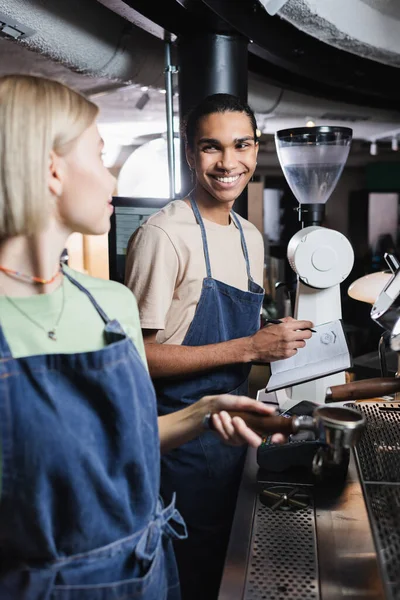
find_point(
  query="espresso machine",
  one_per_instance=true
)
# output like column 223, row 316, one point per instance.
column 312, row 160
column 324, row 524
column 386, row 313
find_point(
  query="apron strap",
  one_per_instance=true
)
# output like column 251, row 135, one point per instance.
column 244, row 245
column 168, row 521
column 5, row 351
column 89, row 295
column 199, row 220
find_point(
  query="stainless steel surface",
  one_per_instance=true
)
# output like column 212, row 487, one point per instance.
column 346, row 556
column 169, row 70
column 234, row 577
column 348, row 565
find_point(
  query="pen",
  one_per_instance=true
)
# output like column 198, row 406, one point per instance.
column 278, row 322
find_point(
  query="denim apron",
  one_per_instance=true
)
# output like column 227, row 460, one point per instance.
column 205, row 472
column 80, row 517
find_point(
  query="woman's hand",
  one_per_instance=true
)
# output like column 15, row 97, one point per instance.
column 234, row 431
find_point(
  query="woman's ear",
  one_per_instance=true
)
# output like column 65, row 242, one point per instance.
column 55, row 175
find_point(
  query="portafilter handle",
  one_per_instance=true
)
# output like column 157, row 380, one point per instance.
column 267, row 425
column 341, row 426
column 363, row 389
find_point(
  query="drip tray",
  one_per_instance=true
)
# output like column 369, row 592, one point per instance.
column 283, row 557
column 378, row 456
column 294, row 540
column 384, row 503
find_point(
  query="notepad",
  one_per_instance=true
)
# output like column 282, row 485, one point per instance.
column 325, row 353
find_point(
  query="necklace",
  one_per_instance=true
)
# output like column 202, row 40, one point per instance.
column 31, row 278
column 51, row 333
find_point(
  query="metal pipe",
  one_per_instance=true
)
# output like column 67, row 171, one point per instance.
column 169, row 70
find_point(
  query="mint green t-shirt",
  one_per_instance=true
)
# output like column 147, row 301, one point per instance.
column 80, row 329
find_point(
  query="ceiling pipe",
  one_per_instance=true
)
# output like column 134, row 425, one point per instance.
column 386, row 134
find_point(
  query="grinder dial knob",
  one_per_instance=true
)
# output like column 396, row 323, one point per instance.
column 321, row 257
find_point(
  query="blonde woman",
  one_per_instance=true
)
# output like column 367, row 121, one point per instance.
column 80, row 516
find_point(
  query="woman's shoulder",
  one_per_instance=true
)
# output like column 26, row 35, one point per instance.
column 103, row 289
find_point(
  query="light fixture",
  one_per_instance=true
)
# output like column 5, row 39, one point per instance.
column 310, row 123
column 136, row 177
column 143, row 100
column 144, row 88
column 368, row 288
column 373, row 149
column 395, row 144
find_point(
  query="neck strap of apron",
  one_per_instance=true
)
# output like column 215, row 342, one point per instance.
column 5, row 351
column 89, row 295
column 199, row 220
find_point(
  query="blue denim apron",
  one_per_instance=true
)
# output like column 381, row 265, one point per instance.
column 80, row 517
column 205, row 472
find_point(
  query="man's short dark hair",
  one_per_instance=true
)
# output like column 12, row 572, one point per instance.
column 216, row 103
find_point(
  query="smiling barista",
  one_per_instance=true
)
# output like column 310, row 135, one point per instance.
column 196, row 269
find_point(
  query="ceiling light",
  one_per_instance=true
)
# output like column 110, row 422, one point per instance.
column 144, row 88
column 143, row 100
column 310, row 123
column 395, row 144
column 373, row 149
column 368, row 288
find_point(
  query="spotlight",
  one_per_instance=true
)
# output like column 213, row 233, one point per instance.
column 143, row 100
column 310, row 123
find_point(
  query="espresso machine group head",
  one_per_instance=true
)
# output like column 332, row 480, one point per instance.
column 312, row 160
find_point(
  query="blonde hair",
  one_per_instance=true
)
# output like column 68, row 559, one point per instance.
column 37, row 116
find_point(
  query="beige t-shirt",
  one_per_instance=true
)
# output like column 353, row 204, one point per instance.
column 165, row 266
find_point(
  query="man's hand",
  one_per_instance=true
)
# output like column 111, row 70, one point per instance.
column 234, row 431
column 276, row 342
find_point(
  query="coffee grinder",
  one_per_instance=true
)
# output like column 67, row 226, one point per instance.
column 312, row 160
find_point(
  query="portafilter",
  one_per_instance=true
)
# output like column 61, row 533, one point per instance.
column 338, row 427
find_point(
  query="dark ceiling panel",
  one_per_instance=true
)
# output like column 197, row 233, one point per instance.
column 280, row 52
column 309, row 63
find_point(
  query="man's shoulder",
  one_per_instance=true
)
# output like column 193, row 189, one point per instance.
column 250, row 230
column 175, row 213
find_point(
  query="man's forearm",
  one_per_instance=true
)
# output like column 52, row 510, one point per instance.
column 169, row 360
